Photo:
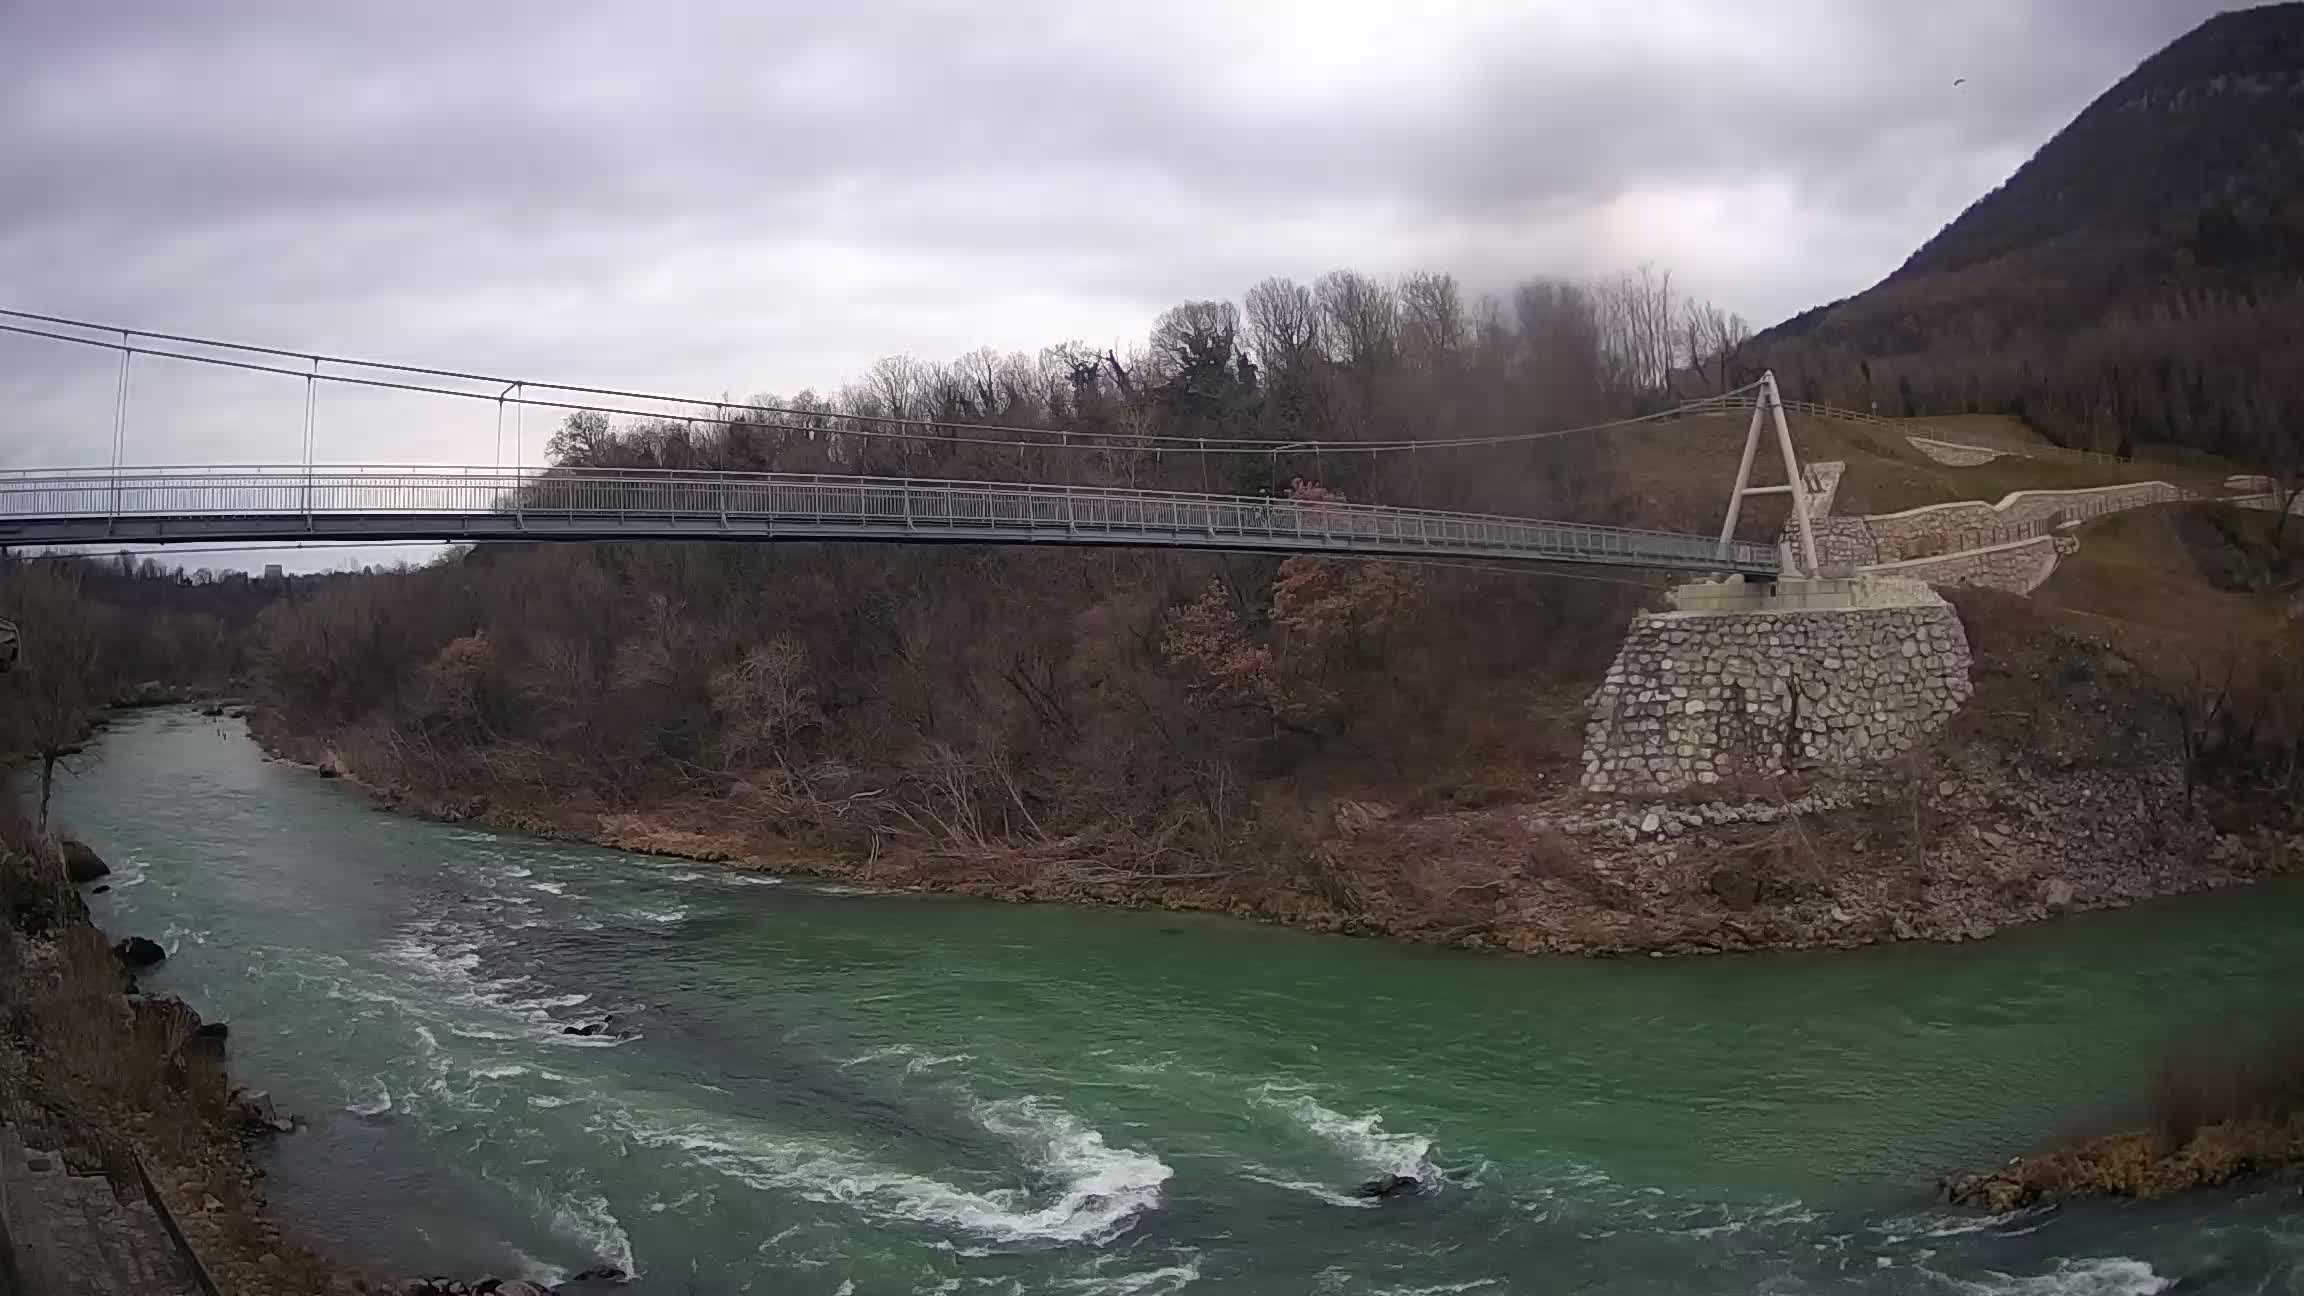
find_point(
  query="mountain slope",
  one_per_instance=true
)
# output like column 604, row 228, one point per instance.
column 2129, row 283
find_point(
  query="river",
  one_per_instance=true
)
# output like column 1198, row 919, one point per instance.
column 807, row 1089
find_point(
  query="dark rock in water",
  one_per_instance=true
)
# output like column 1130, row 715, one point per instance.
column 1386, row 1187
column 329, row 770
column 258, row 1113
column 237, row 713
column 138, row 952
column 600, row 1273
column 100, row 888
column 213, row 1030
column 1993, row 1193
column 82, row 864
column 522, row 1287
column 588, row 1028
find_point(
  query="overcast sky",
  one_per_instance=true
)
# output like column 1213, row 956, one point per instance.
column 744, row 196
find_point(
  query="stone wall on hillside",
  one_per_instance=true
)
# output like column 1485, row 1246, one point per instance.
column 2018, row 567
column 1845, row 540
column 2267, row 503
column 1937, row 528
column 1956, row 456
column 1840, row 542
column 1696, row 697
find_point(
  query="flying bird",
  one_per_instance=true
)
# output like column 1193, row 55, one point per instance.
column 1959, row 81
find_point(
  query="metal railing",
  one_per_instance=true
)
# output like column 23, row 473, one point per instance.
column 1908, row 427
column 365, row 502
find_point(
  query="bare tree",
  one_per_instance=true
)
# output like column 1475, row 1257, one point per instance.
column 1711, row 340
column 1360, row 319
column 52, row 695
column 1283, row 326
column 1638, row 336
column 1434, row 326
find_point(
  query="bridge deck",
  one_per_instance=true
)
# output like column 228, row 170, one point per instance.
column 162, row 505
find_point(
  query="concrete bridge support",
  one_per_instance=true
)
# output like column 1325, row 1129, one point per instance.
column 1761, row 679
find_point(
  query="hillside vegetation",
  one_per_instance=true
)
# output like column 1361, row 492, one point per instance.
column 2136, row 282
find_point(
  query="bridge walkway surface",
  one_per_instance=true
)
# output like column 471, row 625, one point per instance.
column 267, row 503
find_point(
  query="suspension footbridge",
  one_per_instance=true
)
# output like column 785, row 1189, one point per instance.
column 121, row 503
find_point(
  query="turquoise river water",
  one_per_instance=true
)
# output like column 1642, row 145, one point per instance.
column 800, row 1088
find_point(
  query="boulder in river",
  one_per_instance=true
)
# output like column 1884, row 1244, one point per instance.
column 1995, row 1194
column 138, row 952
column 212, row 1030
column 257, row 1112
column 521, row 1287
column 81, row 862
column 600, row 1273
column 1386, row 1187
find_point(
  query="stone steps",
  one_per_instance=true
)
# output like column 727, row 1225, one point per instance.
column 71, row 1236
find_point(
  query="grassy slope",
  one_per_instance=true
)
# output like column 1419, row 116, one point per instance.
column 1676, row 475
column 2148, row 578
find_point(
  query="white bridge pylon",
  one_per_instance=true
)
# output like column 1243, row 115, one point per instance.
column 1770, row 406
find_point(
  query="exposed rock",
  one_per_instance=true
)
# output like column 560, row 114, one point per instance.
column 599, row 1273
column 258, row 1113
column 1386, row 1187
column 213, row 1030
column 1737, row 885
column 2056, row 893
column 81, row 862
column 138, row 952
column 1352, row 817
column 1992, row 1193
column 521, row 1287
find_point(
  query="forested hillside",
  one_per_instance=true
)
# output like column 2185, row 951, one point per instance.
column 2136, row 282
column 1052, row 717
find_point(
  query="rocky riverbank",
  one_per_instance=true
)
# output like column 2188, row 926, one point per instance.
column 1951, row 845
column 105, row 1076
column 2137, row 1164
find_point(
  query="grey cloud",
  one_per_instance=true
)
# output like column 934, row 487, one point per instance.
column 769, row 194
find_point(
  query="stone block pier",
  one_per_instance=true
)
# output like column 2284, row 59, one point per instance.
column 1761, row 679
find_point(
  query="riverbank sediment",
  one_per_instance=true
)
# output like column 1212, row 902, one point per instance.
column 1950, row 846
column 103, row 1076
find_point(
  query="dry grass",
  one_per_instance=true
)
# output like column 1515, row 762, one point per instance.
column 1677, row 474
column 2215, row 1117
column 2138, row 580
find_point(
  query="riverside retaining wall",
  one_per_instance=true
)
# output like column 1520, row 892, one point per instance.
column 2018, row 567
column 1696, row 697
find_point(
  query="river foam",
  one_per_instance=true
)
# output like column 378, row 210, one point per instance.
column 1361, row 1138
column 2105, row 1276
column 1094, row 1191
